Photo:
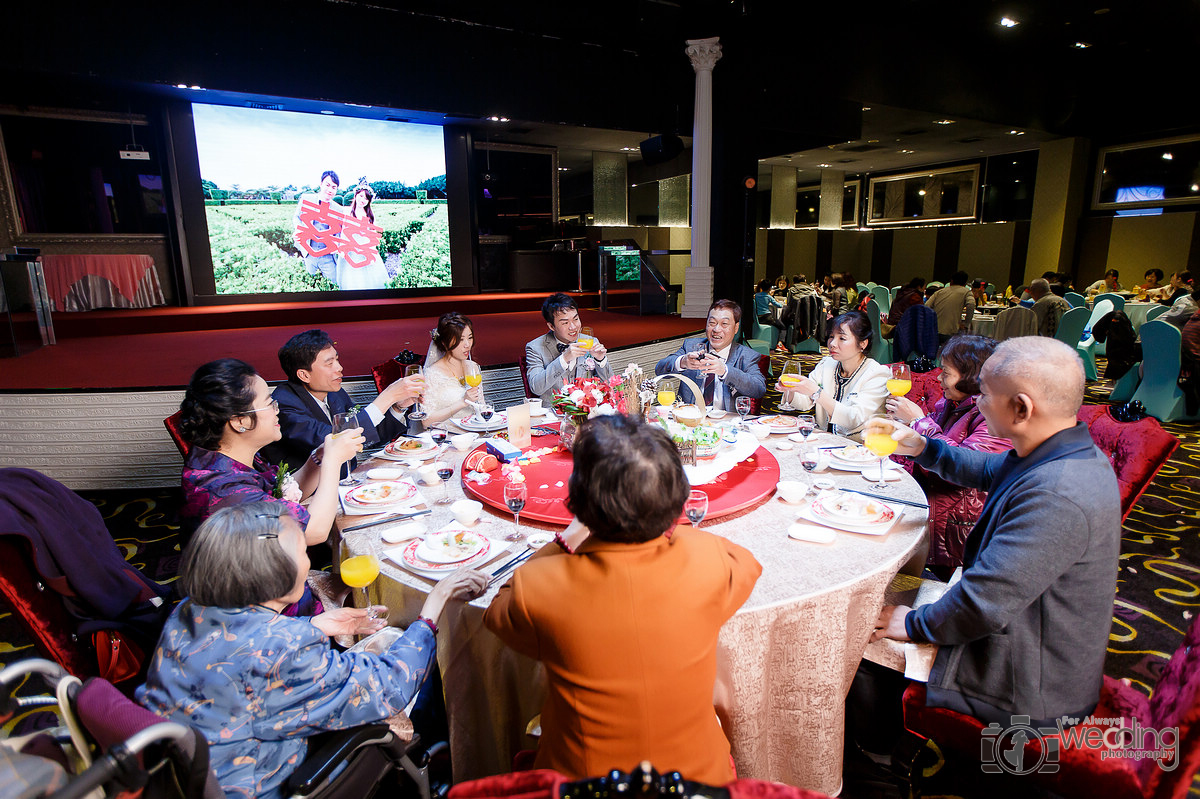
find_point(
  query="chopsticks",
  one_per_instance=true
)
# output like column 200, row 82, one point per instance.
column 874, row 495
column 395, row 517
column 510, row 565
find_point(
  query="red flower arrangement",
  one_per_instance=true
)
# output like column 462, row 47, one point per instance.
column 588, row 397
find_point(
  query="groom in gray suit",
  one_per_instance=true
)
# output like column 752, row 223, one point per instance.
column 722, row 368
column 557, row 356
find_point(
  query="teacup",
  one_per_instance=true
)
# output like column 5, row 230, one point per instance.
column 428, row 474
column 760, row 431
column 791, row 490
column 466, row 511
column 463, row 441
column 535, row 407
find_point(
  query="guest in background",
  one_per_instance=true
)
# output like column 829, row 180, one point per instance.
column 446, row 390
column 1153, row 280
column 1110, row 282
column 800, row 287
column 839, row 299
column 722, row 368
column 557, row 356
column 979, row 291
column 257, row 684
column 1065, row 280
column 763, row 302
column 1049, row 308
column 828, row 287
column 1179, row 286
column 313, row 395
column 630, row 676
column 780, row 289
column 846, row 388
column 1182, row 310
column 955, row 419
column 851, row 286
column 228, row 416
column 954, row 306
column 909, row 295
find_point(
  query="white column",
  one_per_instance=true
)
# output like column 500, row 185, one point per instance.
column 698, row 279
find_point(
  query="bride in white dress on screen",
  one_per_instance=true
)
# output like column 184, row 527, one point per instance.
column 352, row 274
column 446, row 391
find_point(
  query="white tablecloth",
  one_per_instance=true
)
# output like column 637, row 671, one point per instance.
column 790, row 652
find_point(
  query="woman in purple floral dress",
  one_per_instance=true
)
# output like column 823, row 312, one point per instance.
column 953, row 510
column 257, row 683
column 228, row 416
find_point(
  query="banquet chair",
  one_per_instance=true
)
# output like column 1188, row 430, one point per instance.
column 176, row 433
column 926, row 389
column 1159, row 390
column 1116, row 299
column 1088, row 347
column 1137, row 450
column 1156, row 312
column 881, row 348
column 1015, row 322
column 916, row 334
column 1076, row 299
column 1088, row 772
column 762, row 340
column 1070, row 327
column 523, row 365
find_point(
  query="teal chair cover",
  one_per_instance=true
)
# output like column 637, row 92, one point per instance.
column 762, row 341
column 881, row 348
column 1159, row 390
column 861, row 287
column 1156, row 312
column 1101, row 307
column 935, row 284
column 1117, row 300
column 1124, row 389
column 1070, row 327
column 1076, row 299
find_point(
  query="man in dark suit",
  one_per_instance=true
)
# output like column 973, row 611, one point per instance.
column 722, row 368
column 314, row 394
column 558, row 355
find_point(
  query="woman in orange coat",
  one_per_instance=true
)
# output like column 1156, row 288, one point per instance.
column 627, row 623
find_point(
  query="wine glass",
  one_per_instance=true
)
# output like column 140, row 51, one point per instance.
column 417, row 412
column 358, row 572
column 696, row 507
column 810, row 456
column 789, row 378
column 445, row 471
column 344, row 423
column 515, row 495
column 807, row 425
column 438, row 435
column 900, row 383
column 668, row 390
column 471, row 374
column 743, row 404
column 881, row 444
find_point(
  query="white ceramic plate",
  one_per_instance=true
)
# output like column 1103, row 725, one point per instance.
column 451, row 545
column 381, row 494
column 474, row 424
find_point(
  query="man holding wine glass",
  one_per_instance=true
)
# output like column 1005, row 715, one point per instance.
column 723, row 368
column 313, row 395
column 564, row 353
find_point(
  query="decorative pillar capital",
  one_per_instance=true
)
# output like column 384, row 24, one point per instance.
column 704, row 53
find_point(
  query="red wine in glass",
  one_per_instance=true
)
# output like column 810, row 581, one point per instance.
column 438, row 435
column 445, row 472
column 808, row 460
column 486, row 412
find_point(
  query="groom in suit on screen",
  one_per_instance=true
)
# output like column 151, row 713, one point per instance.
column 722, row 368
column 557, row 356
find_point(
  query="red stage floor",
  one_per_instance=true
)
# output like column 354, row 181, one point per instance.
column 167, row 359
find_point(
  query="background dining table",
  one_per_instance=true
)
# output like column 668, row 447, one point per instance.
column 787, row 656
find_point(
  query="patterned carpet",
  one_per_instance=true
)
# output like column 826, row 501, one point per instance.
column 1158, row 589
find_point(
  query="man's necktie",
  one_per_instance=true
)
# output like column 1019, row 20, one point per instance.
column 710, row 387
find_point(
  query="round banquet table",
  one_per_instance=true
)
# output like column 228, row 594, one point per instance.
column 787, row 656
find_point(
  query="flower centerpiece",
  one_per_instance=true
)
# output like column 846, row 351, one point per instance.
column 584, row 399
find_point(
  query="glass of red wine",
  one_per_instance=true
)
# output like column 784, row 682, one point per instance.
column 809, row 457
column 445, row 471
column 515, row 495
column 438, row 435
column 807, row 425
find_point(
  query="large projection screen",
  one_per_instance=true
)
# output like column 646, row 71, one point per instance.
column 298, row 202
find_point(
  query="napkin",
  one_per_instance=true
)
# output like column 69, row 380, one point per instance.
column 812, row 533
column 385, row 474
column 918, row 658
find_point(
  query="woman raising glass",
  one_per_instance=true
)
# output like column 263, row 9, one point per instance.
column 446, row 389
column 846, row 388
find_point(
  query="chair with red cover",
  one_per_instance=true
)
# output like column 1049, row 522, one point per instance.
column 1090, row 771
column 1137, row 450
column 523, row 365
column 387, row 373
column 926, row 389
column 176, row 433
column 764, row 366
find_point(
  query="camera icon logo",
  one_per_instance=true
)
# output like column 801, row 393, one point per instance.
column 1005, row 750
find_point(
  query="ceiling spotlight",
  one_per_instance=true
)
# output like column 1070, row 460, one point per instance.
column 1008, row 22
column 825, row 166
column 1082, row 45
column 1016, row 133
column 1196, row 187
column 1168, row 157
column 943, row 121
column 180, row 85
column 921, row 192
column 326, row 111
column 494, row 118
column 908, row 152
column 866, row 108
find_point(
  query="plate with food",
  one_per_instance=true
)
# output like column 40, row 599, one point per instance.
column 477, row 424
column 381, row 494
column 853, row 512
column 780, row 424
column 451, row 545
column 409, row 556
column 852, row 457
column 404, row 448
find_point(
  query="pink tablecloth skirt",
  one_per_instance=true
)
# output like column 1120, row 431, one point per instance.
column 84, row 282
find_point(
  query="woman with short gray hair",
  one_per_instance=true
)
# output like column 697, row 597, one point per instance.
column 257, row 683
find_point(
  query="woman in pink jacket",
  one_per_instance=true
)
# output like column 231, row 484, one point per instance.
column 954, row 419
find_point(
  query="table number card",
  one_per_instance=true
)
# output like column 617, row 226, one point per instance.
column 518, row 426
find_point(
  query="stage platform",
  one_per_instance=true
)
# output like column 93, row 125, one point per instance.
column 88, row 411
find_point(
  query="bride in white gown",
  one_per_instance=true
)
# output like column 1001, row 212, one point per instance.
column 446, row 391
column 352, row 273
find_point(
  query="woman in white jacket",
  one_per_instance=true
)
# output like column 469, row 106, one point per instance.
column 846, row 388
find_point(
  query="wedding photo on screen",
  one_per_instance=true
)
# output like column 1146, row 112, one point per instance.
column 301, row 202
